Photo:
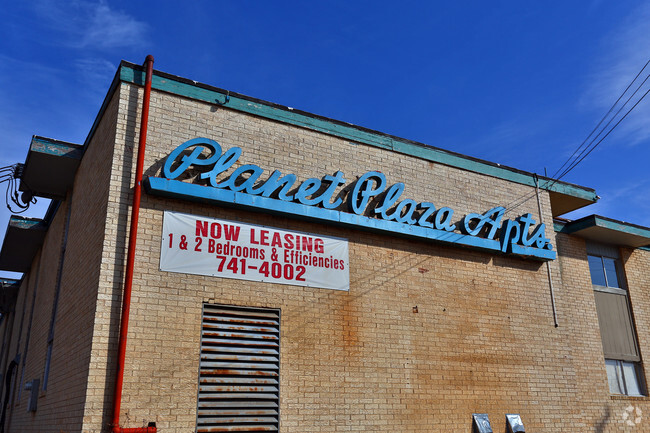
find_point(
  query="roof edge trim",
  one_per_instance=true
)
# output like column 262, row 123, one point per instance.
column 623, row 229
column 55, row 147
column 7, row 282
column 27, row 223
column 608, row 223
column 161, row 81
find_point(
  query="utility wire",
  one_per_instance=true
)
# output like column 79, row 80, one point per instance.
column 523, row 199
column 604, row 137
column 583, row 151
column 605, row 117
column 10, row 174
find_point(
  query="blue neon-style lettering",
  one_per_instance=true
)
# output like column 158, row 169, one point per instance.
column 368, row 195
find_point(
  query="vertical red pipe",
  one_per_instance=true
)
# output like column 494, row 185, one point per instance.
column 130, row 259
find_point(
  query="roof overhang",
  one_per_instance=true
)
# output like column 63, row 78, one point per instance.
column 50, row 167
column 566, row 198
column 606, row 230
column 22, row 241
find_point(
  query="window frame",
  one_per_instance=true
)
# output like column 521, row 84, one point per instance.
column 622, row 379
column 621, row 287
column 623, row 382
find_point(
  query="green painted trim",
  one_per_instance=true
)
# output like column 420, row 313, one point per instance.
column 9, row 282
column 56, row 148
column 558, row 227
column 623, row 227
column 26, row 223
column 134, row 74
column 607, row 223
column 577, row 225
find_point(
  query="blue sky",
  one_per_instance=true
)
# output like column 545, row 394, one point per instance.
column 517, row 83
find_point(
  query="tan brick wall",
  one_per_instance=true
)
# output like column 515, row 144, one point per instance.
column 61, row 407
column 599, row 410
column 9, row 330
column 42, row 279
column 15, row 342
column 483, row 339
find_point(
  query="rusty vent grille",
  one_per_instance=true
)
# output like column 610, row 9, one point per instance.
column 240, row 367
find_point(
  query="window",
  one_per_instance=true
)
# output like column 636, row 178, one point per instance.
column 603, row 271
column 622, row 360
column 624, row 377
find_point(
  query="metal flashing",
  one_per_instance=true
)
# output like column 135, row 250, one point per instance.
column 577, row 196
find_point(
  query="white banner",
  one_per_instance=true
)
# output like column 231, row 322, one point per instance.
column 206, row 246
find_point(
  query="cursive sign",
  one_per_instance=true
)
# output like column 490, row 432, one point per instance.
column 368, row 201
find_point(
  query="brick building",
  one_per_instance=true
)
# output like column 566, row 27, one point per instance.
column 295, row 273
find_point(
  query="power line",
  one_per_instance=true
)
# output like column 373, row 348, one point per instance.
column 605, row 117
column 10, row 174
column 604, row 137
column 582, row 151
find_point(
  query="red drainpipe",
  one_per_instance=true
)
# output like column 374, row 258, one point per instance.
column 128, row 279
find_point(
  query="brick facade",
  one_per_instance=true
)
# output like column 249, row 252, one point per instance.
column 481, row 340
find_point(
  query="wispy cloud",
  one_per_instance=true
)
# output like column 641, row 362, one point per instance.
column 17, row 111
column 512, row 142
column 45, row 100
column 95, row 74
column 624, row 201
column 624, row 52
column 96, row 69
column 110, row 28
column 37, row 70
column 92, row 24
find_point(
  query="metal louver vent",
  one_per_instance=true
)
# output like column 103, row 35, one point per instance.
column 240, row 367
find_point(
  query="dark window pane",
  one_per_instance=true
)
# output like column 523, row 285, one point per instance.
column 610, row 271
column 596, row 270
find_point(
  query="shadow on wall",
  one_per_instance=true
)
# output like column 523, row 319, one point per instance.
column 571, row 247
column 128, row 161
column 599, row 427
